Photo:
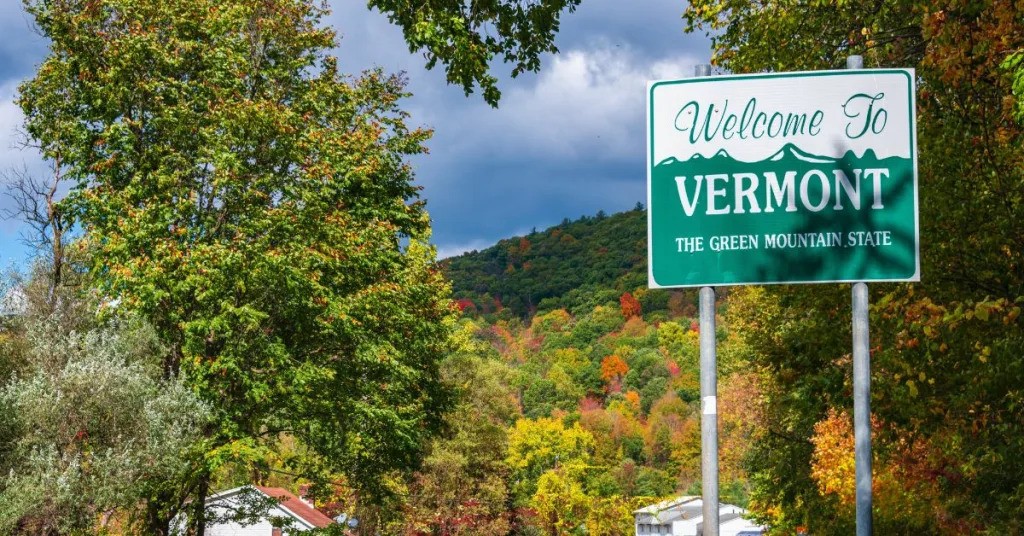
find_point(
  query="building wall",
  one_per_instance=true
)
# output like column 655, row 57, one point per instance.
column 262, row 528
column 685, row 527
column 653, row 529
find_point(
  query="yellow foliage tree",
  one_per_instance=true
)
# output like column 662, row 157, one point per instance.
column 832, row 464
column 537, row 446
column 560, row 503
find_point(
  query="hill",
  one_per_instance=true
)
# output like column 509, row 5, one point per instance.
column 574, row 266
column 583, row 386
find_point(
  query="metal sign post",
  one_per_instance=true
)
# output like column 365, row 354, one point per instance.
column 709, row 412
column 861, row 389
column 862, row 407
column 805, row 177
column 708, row 399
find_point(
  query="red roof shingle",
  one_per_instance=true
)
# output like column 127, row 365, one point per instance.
column 296, row 506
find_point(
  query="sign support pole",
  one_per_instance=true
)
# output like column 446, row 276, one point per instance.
column 862, row 407
column 709, row 412
column 708, row 398
column 861, row 389
column 705, row 163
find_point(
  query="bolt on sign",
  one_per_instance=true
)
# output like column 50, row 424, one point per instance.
column 782, row 178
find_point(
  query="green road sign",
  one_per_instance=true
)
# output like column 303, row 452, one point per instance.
column 784, row 178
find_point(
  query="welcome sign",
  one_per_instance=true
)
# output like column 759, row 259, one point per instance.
column 787, row 178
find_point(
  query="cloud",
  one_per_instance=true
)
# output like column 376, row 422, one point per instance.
column 13, row 157
column 13, row 154
column 10, row 121
column 587, row 102
column 571, row 143
column 22, row 47
column 565, row 142
column 454, row 250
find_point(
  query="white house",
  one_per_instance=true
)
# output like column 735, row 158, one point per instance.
column 286, row 510
column 683, row 516
column 738, row 526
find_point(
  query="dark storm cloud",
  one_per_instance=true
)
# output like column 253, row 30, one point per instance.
column 565, row 142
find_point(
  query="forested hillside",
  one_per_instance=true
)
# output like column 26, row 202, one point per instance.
column 584, row 391
column 574, row 265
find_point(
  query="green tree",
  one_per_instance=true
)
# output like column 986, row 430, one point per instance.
column 90, row 429
column 560, row 503
column 461, row 488
column 466, row 35
column 256, row 206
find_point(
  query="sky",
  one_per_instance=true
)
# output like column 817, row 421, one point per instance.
column 565, row 142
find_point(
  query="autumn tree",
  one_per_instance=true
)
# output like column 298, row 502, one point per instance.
column 560, row 503
column 943, row 347
column 536, row 446
column 256, row 206
column 629, row 305
column 461, row 489
column 613, row 369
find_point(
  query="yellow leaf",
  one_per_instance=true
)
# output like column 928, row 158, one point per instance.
column 981, row 311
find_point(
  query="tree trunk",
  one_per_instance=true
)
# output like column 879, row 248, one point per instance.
column 158, row 520
column 199, row 509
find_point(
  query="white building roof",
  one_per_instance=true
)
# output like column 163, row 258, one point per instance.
column 685, row 517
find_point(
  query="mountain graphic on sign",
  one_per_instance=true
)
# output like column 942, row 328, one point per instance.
column 868, row 156
column 668, row 161
column 792, row 152
column 787, row 157
column 721, row 155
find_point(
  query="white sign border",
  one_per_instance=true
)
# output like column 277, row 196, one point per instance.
column 912, row 95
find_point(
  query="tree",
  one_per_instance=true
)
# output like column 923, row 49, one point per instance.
column 37, row 203
column 613, row 368
column 465, row 36
column 536, row 446
column 53, row 289
column 560, row 503
column 461, row 488
column 937, row 363
column 90, row 430
column 682, row 345
column 255, row 205
column 629, row 305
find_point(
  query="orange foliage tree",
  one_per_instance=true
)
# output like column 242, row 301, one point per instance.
column 613, row 368
column 630, row 305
